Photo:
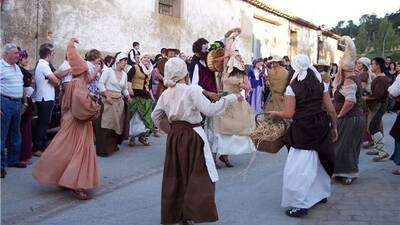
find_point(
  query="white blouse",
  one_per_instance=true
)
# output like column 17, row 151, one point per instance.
column 185, row 103
column 109, row 81
column 394, row 89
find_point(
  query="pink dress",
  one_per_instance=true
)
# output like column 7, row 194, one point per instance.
column 70, row 159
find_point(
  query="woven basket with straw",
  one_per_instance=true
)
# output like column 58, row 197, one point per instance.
column 268, row 135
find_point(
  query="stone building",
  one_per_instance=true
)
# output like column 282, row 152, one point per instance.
column 112, row 25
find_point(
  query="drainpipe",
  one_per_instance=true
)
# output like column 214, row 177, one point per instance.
column 37, row 31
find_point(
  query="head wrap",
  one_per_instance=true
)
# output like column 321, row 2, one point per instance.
column 78, row 65
column 348, row 59
column 301, row 63
column 175, row 70
column 120, row 56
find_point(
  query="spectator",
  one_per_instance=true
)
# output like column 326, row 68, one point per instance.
column 11, row 93
column 93, row 60
column 388, row 60
column 288, row 67
column 65, row 80
column 46, row 81
column 391, row 73
column 27, row 110
column 108, row 61
column 134, row 54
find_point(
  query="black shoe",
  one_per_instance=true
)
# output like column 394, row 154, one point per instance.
column 103, row 154
column 18, row 165
column 297, row 212
column 225, row 161
column 3, row 173
column 325, row 200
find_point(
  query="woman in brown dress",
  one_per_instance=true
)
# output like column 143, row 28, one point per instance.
column 189, row 170
column 70, row 159
column 112, row 126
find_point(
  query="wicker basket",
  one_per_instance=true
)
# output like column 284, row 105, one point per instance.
column 215, row 60
column 269, row 145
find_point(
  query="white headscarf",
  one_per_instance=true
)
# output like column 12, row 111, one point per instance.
column 119, row 57
column 301, row 63
column 174, row 71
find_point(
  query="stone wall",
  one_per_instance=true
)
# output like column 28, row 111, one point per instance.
column 112, row 25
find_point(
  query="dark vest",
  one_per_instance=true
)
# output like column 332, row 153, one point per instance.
column 339, row 99
column 207, row 79
column 309, row 96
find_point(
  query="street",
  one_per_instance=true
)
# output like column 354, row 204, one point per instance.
column 131, row 186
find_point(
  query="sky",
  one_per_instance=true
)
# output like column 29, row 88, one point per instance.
column 330, row 12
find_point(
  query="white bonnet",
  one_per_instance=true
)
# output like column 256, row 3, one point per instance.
column 175, row 70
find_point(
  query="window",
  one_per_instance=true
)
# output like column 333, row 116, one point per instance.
column 166, row 7
column 171, row 8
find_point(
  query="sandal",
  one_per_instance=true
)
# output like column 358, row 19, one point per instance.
column 131, row 142
column 347, row 180
column 81, row 195
column 381, row 157
column 144, row 141
column 37, row 154
column 297, row 212
column 226, row 161
column 396, row 172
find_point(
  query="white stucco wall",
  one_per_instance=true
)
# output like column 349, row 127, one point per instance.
column 113, row 25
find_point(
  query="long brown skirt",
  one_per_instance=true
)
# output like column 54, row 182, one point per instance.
column 187, row 191
column 107, row 140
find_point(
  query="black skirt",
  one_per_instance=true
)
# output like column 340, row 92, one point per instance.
column 313, row 132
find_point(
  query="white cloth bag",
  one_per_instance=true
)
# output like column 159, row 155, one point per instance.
column 136, row 126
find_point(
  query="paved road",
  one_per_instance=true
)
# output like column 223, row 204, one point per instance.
column 131, row 185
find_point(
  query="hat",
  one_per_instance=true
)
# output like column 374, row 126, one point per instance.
column 175, row 70
column 78, row 65
column 276, row 58
column 365, row 61
column 348, row 59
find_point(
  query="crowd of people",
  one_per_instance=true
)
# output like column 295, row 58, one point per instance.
column 207, row 113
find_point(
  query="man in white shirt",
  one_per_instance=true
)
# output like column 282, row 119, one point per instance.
column 11, row 90
column 46, row 81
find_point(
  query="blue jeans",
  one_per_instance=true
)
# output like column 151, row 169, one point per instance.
column 10, row 128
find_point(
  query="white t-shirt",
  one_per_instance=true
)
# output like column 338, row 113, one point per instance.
column 289, row 91
column 65, row 66
column 44, row 90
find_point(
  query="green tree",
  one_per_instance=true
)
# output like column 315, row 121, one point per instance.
column 362, row 40
column 386, row 38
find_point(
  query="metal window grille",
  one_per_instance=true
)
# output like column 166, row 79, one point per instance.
column 165, row 7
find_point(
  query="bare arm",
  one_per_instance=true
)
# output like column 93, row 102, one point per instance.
column 348, row 105
column 288, row 109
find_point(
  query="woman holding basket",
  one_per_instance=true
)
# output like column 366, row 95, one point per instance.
column 310, row 163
